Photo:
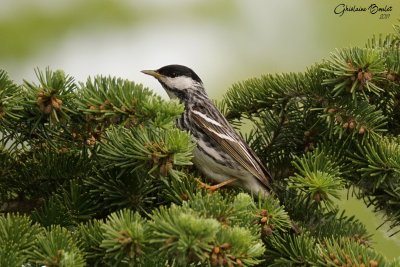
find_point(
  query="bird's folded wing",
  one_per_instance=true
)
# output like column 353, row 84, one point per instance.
column 232, row 144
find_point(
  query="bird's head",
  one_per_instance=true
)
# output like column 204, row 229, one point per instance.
column 179, row 81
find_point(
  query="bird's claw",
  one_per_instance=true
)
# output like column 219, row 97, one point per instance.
column 213, row 188
column 210, row 188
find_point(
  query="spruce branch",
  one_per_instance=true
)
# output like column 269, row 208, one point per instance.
column 29, row 177
column 180, row 233
column 49, row 102
column 379, row 160
column 8, row 173
column 264, row 216
column 51, row 213
column 213, row 206
column 156, row 150
column 379, row 167
column 351, row 99
column 273, row 135
column 41, row 172
column 349, row 252
column 272, row 217
column 388, row 41
column 356, row 71
column 267, row 92
column 288, row 250
column 317, row 178
column 112, row 190
column 108, row 100
column 125, row 238
column 304, row 250
column 236, row 246
column 91, row 235
column 10, row 103
column 183, row 188
column 56, row 247
column 69, row 206
column 360, row 119
column 17, row 237
column 44, row 113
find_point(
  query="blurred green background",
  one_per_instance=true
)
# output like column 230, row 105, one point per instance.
column 223, row 41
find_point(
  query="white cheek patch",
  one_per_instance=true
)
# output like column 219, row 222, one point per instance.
column 180, row 83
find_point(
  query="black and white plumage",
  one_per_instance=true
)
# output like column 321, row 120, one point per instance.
column 221, row 154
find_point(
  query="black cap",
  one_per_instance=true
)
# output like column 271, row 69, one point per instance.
column 178, row 70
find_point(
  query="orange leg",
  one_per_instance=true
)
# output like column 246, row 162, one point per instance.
column 212, row 188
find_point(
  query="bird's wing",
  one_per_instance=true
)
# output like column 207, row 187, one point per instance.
column 222, row 132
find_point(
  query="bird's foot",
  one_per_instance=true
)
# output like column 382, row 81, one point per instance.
column 212, row 188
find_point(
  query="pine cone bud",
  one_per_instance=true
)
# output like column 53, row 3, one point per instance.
column 360, row 75
column 56, row 103
column 39, row 100
column 263, row 220
column 391, row 77
column 311, row 146
column 91, row 140
column 264, row 212
column 225, row 246
column 165, row 168
column 267, row 230
column 317, row 197
column 214, row 259
column 184, row 197
column 40, row 94
column 367, row 76
column 373, row 263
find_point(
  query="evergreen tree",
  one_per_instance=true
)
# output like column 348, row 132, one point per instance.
column 97, row 174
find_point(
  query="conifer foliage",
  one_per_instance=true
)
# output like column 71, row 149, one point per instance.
column 97, row 174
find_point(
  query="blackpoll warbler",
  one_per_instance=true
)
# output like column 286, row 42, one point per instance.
column 221, row 154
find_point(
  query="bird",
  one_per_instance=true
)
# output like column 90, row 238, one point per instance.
column 221, row 153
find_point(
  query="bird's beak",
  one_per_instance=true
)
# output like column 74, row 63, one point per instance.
column 153, row 73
